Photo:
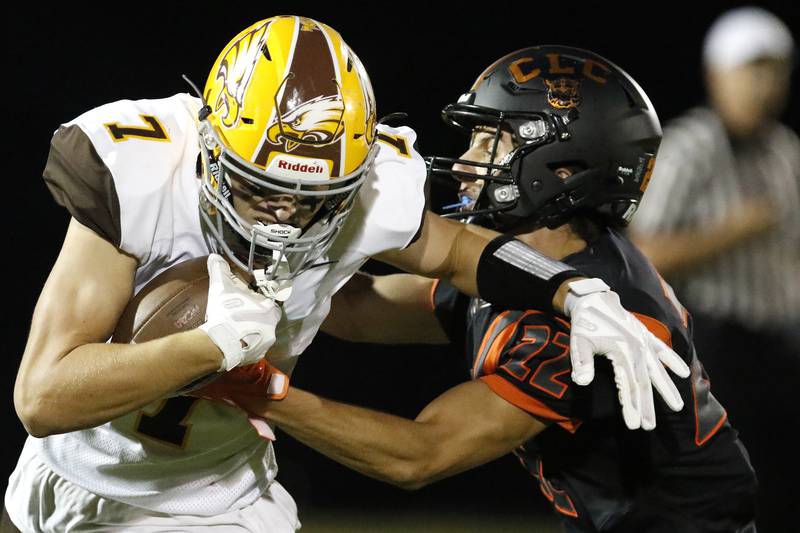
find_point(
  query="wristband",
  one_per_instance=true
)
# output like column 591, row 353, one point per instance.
column 513, row 275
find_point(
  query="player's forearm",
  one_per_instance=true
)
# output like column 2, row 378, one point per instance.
column 459, row 253
column 385, row 447
column 95, row 383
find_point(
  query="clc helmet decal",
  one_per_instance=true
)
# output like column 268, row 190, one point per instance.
column 235, row 72
column 531, row 66
column 318, row 121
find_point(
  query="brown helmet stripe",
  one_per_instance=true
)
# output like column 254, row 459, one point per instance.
column 311, row 74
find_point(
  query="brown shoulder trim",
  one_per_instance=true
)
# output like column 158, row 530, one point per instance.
column 80, row 181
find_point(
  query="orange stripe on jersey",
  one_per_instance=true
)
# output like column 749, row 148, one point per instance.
column 560, row 499
column 698, row 379
column 432, row 294
column 486, row 337
column 513, row 395
column 669, row 294
column 496, row 349
column 656, row 327
column 699, row 439
column 563, row 322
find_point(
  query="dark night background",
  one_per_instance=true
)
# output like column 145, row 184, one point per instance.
column 60, row 63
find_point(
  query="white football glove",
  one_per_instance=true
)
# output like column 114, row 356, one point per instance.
column 600, row 325
column 239, row 321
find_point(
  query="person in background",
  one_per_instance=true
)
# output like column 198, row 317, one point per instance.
column 721, row 220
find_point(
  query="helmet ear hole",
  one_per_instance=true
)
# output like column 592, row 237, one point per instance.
column 565, row 169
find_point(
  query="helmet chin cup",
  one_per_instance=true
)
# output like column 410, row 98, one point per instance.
column 274, row 281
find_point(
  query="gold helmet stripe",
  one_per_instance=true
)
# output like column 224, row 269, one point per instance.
column 356, row 83
column 332, row 37
column 352, row 84
column 365, row 118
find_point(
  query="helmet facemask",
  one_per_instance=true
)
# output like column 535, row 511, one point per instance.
column 273, row 252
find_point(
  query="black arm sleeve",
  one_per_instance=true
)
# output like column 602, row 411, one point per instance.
column 513, row 275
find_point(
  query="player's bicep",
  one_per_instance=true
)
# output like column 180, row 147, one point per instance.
column 393, row 309
column 82, row 299
column 471, row 425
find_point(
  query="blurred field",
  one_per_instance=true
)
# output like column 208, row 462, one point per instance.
column 326, row 521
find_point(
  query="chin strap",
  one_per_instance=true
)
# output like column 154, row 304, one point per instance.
column 275, row 281
column 278, row 290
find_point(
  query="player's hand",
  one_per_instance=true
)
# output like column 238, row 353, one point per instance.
column 601, row 326
column 239, row 321
column 259, row 379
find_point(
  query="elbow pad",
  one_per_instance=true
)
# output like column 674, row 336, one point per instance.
column 513, row 275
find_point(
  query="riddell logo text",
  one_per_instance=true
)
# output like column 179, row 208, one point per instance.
column 300, row 167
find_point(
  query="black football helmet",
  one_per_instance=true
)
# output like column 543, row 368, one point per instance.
column 565, row 107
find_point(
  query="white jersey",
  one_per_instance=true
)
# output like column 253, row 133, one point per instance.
column 183, row 455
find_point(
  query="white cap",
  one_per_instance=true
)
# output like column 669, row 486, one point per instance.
column 742, row 35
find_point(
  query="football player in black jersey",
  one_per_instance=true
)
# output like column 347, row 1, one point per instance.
column 562, row 146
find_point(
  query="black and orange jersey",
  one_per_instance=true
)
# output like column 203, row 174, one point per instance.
column 689, row 474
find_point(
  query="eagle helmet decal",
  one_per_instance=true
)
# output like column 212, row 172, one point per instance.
column 318, row 121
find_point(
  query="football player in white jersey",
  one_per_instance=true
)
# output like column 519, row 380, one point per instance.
column 298, row 186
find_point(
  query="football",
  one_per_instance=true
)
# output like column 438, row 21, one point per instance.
column 172, row 302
